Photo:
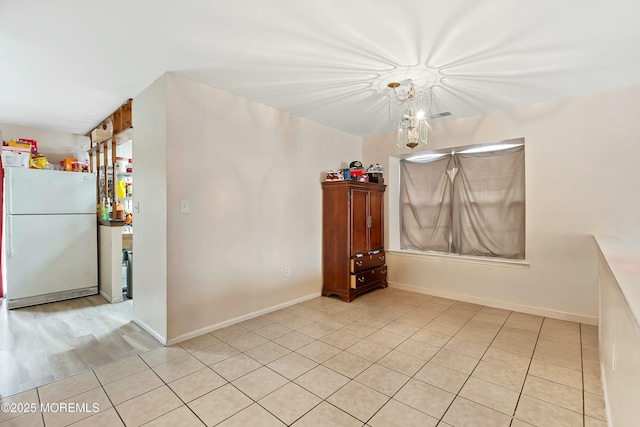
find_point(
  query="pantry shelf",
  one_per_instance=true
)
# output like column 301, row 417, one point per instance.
column 119, row 139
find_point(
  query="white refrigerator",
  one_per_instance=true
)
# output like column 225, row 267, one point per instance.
column 50, row 236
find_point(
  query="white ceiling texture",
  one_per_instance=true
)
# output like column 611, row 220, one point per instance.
column 67, row 64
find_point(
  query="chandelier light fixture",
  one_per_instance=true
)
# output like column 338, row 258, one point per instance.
column 410, row 106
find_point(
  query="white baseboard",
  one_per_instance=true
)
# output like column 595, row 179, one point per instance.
column 572, row 317
column 149, row 329
column 47, row 298
column 238, row 319
column 109, row 299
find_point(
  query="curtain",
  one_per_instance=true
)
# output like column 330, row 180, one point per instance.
column 465, row 203
column 488, row 208
column 425, row 199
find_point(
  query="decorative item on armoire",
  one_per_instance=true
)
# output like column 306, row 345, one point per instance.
column 374, row 172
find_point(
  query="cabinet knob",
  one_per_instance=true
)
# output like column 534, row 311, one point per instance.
column 360, row 279
column 384, row 272
column 359, row 263
column 381, row 257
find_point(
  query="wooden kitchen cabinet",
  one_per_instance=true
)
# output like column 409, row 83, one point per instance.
column 353, row 259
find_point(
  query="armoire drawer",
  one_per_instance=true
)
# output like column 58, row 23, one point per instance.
column 367, row 262
column 365, row 278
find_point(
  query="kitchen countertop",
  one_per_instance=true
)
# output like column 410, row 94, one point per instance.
column 623, row 258
column 114, row 223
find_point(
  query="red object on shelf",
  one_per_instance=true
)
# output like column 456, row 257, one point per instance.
column 34, row 144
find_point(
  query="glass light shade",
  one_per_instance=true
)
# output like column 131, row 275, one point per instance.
column 412, row 132
column 408, row 106
column 416, row 100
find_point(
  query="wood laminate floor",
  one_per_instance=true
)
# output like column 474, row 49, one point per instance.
column 48, row 342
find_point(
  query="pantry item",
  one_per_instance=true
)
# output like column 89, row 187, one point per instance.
column 12, row 159
column 39, row 162
column 121, row 164
column 67, row 163
column 121, row 190
column 119, row 211
column 82, row 154
column 105, row 209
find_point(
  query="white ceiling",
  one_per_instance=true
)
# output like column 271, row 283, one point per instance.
column 67, row 64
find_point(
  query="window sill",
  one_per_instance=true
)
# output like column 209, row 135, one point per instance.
column 510, row 263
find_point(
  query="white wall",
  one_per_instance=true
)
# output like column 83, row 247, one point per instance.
column 54, row 145
column 150, row 222
column 582, row 178
column 252, row 176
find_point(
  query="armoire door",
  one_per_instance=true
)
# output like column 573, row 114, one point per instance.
column 376, row 221
column 359, row 229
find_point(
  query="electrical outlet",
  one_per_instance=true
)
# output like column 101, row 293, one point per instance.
column 287, row 271
column 184, row 207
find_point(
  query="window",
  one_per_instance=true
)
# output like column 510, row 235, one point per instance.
column 469, row 202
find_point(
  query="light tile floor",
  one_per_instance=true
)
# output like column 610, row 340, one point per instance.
column 390, row 358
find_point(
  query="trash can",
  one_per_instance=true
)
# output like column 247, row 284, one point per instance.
column 127, row 274
column 130, row 275
column 125, row 269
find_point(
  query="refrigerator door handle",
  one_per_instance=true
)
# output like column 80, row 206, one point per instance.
column 9, row 236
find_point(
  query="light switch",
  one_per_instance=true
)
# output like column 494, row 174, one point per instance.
column 184, row 207
column 136, row 207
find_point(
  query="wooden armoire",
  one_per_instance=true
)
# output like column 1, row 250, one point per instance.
column 353, row 259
